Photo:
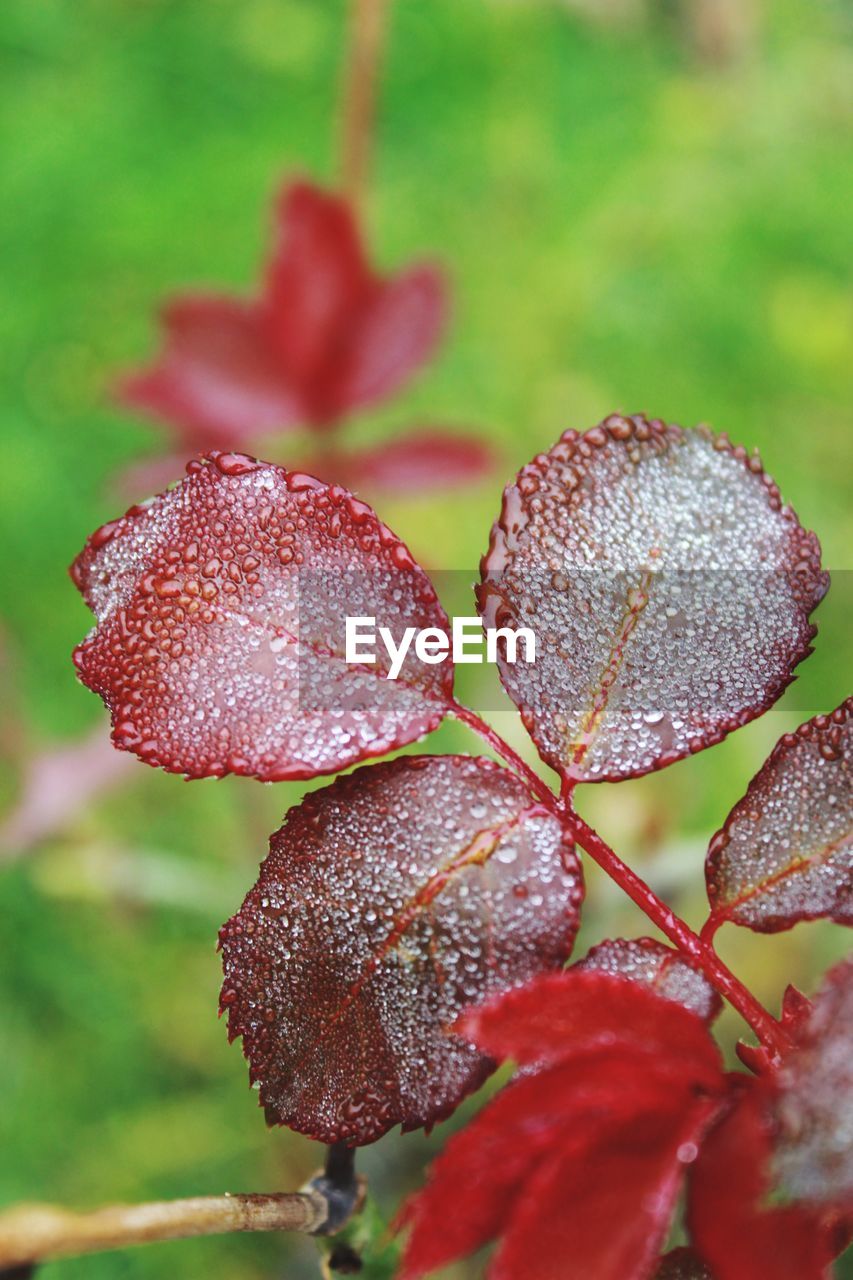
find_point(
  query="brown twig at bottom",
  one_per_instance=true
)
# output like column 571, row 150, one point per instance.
column 37, row 1232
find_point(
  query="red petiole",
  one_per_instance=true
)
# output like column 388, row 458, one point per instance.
column 765, row 1026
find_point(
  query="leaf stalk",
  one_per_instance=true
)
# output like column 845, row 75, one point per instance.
column 696, row 948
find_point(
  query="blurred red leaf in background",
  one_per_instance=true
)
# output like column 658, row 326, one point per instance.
column 57, row 785
column 326, row 335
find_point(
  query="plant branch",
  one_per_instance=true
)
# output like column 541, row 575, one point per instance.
column 366, row 42
column 768, row 1030
column 766, row 1027
column 38, row 1232
column 338, row 1185
column 537, row 785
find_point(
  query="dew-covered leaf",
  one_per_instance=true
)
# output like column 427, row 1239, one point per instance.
column 735, row 1230
column 660, row 967
column 668, row 588
column 221, row 610
column 786, row 851
column 577, row 1162
column 682, row 1264
column 814, row 1154
column 389, row 901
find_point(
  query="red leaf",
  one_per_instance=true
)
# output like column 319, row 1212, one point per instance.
column 795, row 1013
column 682, row 1264
column 397, row 332
column 220, row 640
column 318, row 280
column 496, row 1154
column 325, row 337
column 389, row 901
column 416, row 461
column 219, row 378
column 666, row 971
column 602, row 1206
column 576, row 1163
column 669, row 589
column 740, row 1238
column 557, row 1016
column 423, row 458
column 786, row 851
column 814, row 1156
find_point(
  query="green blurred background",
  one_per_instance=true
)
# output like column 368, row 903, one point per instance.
column 641, row 207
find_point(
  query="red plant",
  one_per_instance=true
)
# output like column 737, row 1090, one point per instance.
column 325, row 338
column 410, row 923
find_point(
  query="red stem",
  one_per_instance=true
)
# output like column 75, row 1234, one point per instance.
column 709, row 929
column 537, row 785
column 768, row 1030
column 718, row 974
